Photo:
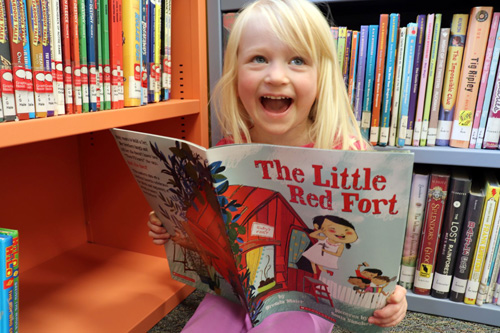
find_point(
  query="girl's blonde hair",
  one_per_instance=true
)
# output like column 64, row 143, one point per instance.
column 301, row 25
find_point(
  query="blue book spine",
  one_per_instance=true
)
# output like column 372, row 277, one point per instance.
column 371, row 59
column 411, row 38
column 415, row 81
column 7, row 306
column 151, row 41
column 390, row 66
column 360, row 75
column 92, row 53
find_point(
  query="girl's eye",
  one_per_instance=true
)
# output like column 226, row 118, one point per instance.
column 297, row 61
column 259, row 59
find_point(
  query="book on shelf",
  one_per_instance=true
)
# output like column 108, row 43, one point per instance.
column 341, row 46
column 98, row 52
column 57, row 68
column 116, row 53
column 131, row 59
column 438, row 86
column 361, row 72
column 492, row 131
column 144, row 51
column 353, row 65
column 250, row 220
column 6, row 74
column 347, row 57
column 151, row 51
column 458, row 193
column 82, row 47
column 468, row 239
column 66, row 58
column 381, row 52
column 371, row 60
column 47, row 57
column 75, row 57
column 106, row 69
column 433, row 59
column 489, row 68
column 416, row 211
column 415, row 80
column 157, row 45
column 487, row 217
column 167, row 58
column 468, row 87
column 7, row 278
column 409, row 57
column 28, row 68
column 388, row 88
column 12, row 265
column 398, row 78
column 424, row 75
column 437, row 194
column 451, row 76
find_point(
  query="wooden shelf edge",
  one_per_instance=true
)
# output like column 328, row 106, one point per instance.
column 95, row 288
column 488, row 314
column 33, row 130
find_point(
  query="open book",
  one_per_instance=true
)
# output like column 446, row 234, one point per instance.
column 279, row 228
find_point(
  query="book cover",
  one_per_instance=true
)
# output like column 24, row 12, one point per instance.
column 250, row 220
column 468, row 239
column 487, row 217
column 361, row 72
column 416, row 211
column 390, row 68
column 396, row 108
column 75, row 56
column 91, row 20
column 415, row 80
column 66, row 58
column 492, row 130
column 438, row 86
column 473, row 59
column 411, row 38
column 451, row 77
column 6, row 75
column 437, row 194
column 57, row 57
column 431, row 78
column 115, row 53
column 131, row 12
column 167, row 60
column 353, row 65
column 47, row 57
column 106, row 70
column 7, row 278
column 489, row 66
column 371, row 58
column 424, row 75
column 82, row 46
column 381, row 52
column 12, row 264
column 458, row 193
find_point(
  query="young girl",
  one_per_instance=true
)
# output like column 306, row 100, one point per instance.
column 281, row 84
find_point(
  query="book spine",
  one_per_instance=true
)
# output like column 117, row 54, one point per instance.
column 467, row 244
column 371, row 58
column 82, row 45
column 496, row 293
column 473, row 59
column 6, row 84
column 494, row 274
column 90, row 11
column 37, row 59
column 66, row 57
column 7, row 272
column 347, row 57
column 47, row 57
column 430, row 81
column 450, row 235
column 424, row 74
column 157, row 50
column 56, row 57
column 429, row 239
column 116, row 57
column 341, row 45
column 98, row 52
column 411, row 37
column 352, row 68
column 438, row 86
column 492, row 130
column 451, row 77
column 167, row 61
column 360, row 75
column 144, row 52
column 131, row 52
column 415, row 80
column 75, row 57
column 488, row 63
column 12, row 266
column 489, row 262
column 395, row 111
column 392, row 40
column 418, row 196
column 28, row 68
column 381, row 51
column 151, row 51
column 106, row 69
column 491, row 200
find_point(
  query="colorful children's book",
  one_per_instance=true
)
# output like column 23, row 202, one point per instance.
column 157, row 45
column 341, row 46
column 84, row 69
column 7, row 287
column 167, row 60
column 347, row 57
column 257, row 225
column 396, row 108
column 360, row 73
column 144, row 52
column 371, row 60
column 75, row 56
column 66, row 58
column 473, row 59
column 151, row 51
column 353, row 65
column 106, row 70
column 451, row 76
column 6, row 75
column 131, row 11
column 489, row 68
column 91, row 20
column 28, row 67
column 47, row 57
column 57, row 57
column 438, row 86
column 116, row 54
column 492, row 130
column 12, row 266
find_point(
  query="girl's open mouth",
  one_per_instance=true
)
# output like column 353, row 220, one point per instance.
column 276, row 104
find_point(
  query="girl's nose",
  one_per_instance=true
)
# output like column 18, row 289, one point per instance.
column 277, row 74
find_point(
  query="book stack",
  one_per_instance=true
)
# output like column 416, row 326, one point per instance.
column 9, row 302
column 452, row 240
column 428, row 82
column 82, row 56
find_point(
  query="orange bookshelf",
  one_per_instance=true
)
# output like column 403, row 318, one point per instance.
column 86, row 263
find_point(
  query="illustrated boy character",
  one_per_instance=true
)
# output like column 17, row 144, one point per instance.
column 367, row 273
column 360, row 284
column 334, row 234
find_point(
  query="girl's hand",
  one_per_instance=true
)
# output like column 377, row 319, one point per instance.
column 394, row 311
column 157, row 232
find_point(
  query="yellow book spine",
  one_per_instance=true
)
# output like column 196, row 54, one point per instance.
column 131, row 25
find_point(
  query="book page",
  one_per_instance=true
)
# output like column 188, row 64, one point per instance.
column 317, row 230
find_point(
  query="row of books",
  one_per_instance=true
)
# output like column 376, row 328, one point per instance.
column 424, row 83
column 74, row 56
column 451, row 248
column 9, row 302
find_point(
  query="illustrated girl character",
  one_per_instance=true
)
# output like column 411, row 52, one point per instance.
column 333, row 234
column 367, row 273
column 360, row 284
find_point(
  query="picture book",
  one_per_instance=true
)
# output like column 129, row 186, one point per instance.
column 131, row 11
column 7, row 287
column 47, row 57
column 353, row 65
column 473, row 59
column 82, row 46
column 371, row 59
column 56, row 57
column 360, row 73
column 144, row 51
column 492, row 130
column 258, row 225
column 66, row 57
column 395, row 108
column 115, row 53
column 106, row 70
column 12, row 266
column 167, row 57
column 6, row 75
column 75, row 57
column 28, row 68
